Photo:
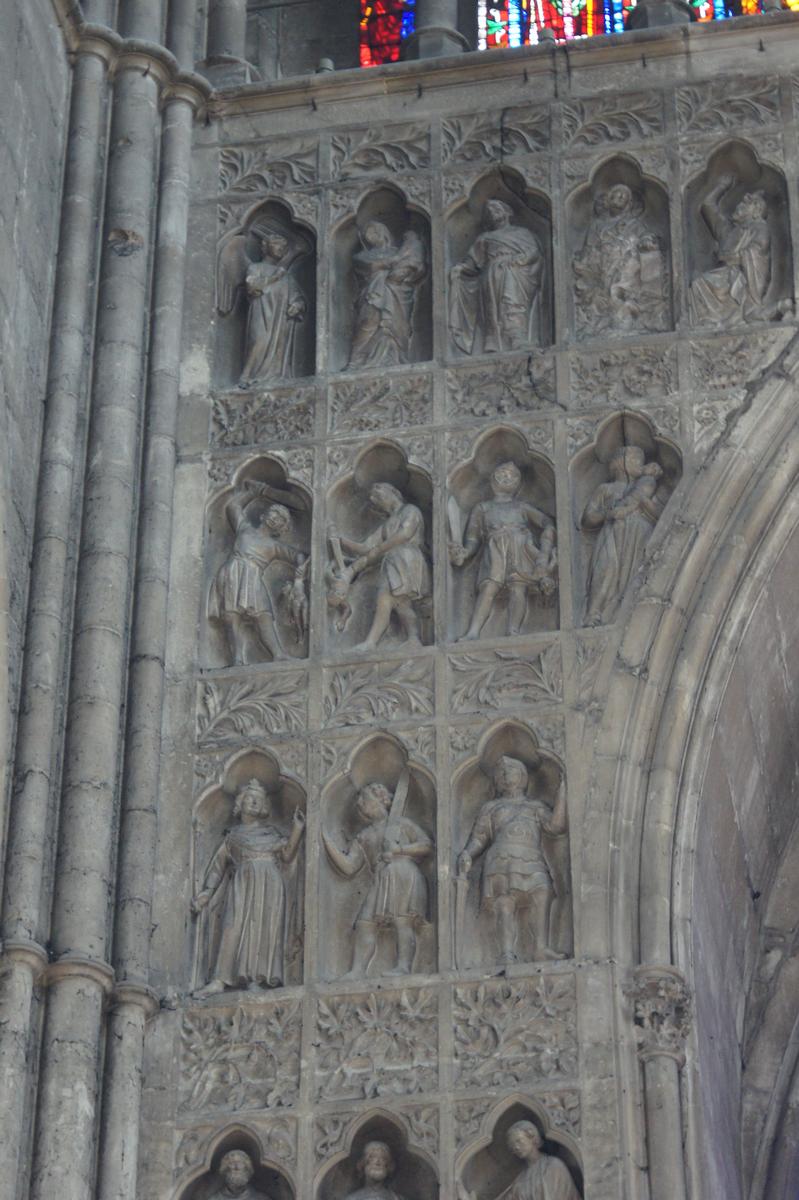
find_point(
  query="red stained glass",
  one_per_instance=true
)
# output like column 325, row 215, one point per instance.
column 384, row 24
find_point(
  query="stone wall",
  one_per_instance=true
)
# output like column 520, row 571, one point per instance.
column 34, row 85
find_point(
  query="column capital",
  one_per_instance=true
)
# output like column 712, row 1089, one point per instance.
column 26, row 953
column 661, row 1004
column 139, row 995
column 74, row 966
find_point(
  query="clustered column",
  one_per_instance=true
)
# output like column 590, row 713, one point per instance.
column 437, row 29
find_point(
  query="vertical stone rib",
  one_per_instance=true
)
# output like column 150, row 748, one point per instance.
column 38, row 733
column 85, row 853
column 227, row 29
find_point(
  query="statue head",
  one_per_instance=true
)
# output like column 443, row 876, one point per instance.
column 275, row 245
column 277, row 519
column 376, row 234
column 376, row 1163
column 627, row 463
column 751, row 207
column 510, row 776
column 619, row 199
column 497, row 213
column 252, row 800
column 236, row 1169
column 385, row 497
column 524, row 1140
column 374, row 802
column 506, row 479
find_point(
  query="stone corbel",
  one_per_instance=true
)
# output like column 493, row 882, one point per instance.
column 661, row 1006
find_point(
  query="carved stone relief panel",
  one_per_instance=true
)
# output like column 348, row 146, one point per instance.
column 377, row 874
column 621, row 267
column 380, row 1162
column 384, row 402
column 502, row 544
column 266, row 299
column 611, row 120
column 482, row 680
column 249, row 869
column 512, row 882
column 381, row 303
column 516, row 1033
column 276, row 167
column 385, row 150
column 623, row 376
column 367, row 693
column 499, row 255
column 738, row 243
column 509, row 387
column 231, row 711
column 258, row 564
column 524, row 1160
column 257, row 418
column 377, row 1044
column 724, row 106
column 379, row 576
column 622, row 482
column 488, row 137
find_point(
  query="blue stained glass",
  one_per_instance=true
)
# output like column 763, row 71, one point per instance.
column 408, row 18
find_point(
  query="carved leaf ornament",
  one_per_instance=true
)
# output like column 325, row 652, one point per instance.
column 379, row 692
column 265, row 169
column 707, row 109
column 241, row 1060
column 250, row 708
column 612, row 120
column 391, row 150
column 505, row 679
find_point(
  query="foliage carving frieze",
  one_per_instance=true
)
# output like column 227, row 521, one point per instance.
column 275, row 167
column 622, row 376
column 256, row 419
column 247, row 1058
column 378, row 1044
column 385, row 150
column 388, row 691
column 421, row 1123
column 388, row 402
column 611, row 119
column 515, row 1033
column 723, row 106
column 247, row 709
column 731, row 362
column 476, row 137
column 502, row 388
column 499, row 679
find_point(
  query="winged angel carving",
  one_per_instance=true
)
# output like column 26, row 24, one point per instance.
column 276, row 304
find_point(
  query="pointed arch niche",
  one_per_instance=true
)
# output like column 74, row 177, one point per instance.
column 414, row 1174
column 380, row 758
column 531, row 211
column 269, row 1179
column 234, row 249
column 409, row 229
column 487, row 1166
column 472, row 786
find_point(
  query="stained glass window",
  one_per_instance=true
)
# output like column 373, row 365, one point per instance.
column 384, row 24
column 517, row 22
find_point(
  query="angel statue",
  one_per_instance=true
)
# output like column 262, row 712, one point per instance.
column 241, row 598
column 503, row 532
column 543, row 1177
column 249, row 899
column 276, row 304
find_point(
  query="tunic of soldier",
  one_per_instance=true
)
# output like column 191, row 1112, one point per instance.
column 516, row 877
column 376, row 1165
column 543, row 1177
column 391, row 846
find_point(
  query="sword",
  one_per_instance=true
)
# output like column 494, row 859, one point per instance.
column 400, row 796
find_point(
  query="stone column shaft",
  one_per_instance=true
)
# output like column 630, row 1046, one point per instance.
column 65, row 1158
column 141, row 19
column 664, row 1129
column 181, row 31
column 227, row 29
column 437, row 31
column 38, row 731
column 119, row 1146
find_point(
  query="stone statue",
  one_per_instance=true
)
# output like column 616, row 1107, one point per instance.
column 387, row 278
column 276, row 304
column 397, row 547
column 624, row 511
column 376, row 1165
column 517, row 879
column 543, row 1177
column 621, row 274
column 241, row 597
column 249, row 892
column 237, row 1170
column 736, row 289
column 501, row 530
column 495, row 293
column 390, row 848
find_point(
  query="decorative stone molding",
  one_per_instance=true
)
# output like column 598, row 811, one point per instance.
column 661, row 1005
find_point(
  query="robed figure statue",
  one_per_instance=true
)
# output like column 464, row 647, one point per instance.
column 252, row 894
column 495, row 300
column 543, row 1177
column 387, row 278
column 276, row 304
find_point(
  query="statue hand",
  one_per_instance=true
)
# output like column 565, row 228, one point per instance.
column 200, row 902
column 457, row 554
column 464, row 864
